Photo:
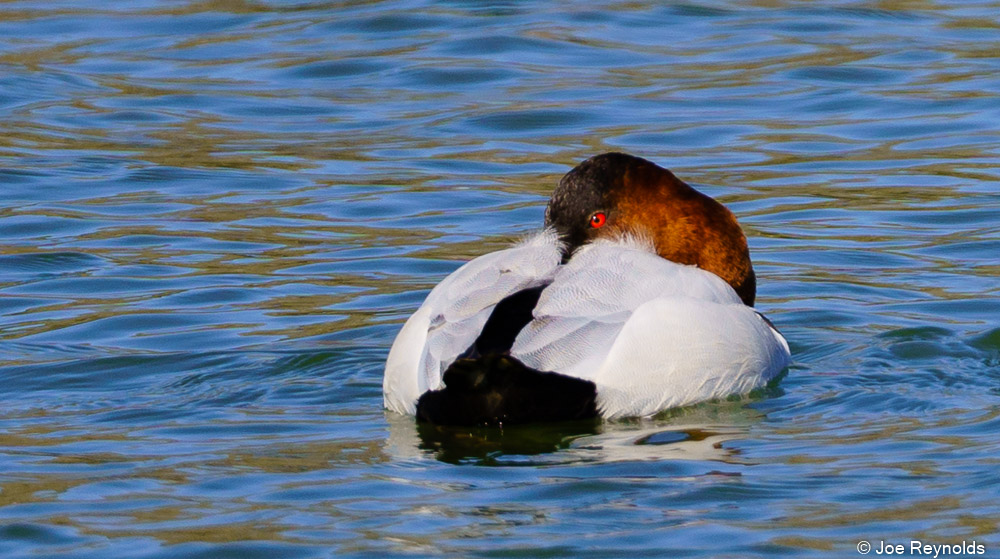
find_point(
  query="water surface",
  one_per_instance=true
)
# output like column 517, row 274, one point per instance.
column 214, row 217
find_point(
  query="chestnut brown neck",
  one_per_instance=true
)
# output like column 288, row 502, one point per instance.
column 692, row 228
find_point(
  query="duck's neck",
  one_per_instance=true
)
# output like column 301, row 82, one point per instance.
column 692, row 228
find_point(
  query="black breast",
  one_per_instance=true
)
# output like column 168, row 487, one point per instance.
column 487, row 386
column 506, row 321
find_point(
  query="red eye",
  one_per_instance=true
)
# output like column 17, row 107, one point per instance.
column 598, row 220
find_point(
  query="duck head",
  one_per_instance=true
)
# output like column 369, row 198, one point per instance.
column 615, row 193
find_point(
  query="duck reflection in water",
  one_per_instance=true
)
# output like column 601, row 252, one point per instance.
column 695, row 433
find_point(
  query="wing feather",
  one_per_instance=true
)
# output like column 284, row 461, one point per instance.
column 581, row 313
column 676, row 351
column 452, row 316
column 649, row 332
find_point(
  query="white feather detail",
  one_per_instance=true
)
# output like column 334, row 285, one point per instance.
column 581, row 313
column 455, row 311
column 650, row 333
column 676, row 351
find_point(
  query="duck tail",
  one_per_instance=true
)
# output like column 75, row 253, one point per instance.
column 497, row 390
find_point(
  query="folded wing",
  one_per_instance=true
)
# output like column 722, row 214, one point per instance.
column 648, row 332
column 452, row 316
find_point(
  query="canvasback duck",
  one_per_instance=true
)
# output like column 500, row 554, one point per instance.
column 636, row 297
